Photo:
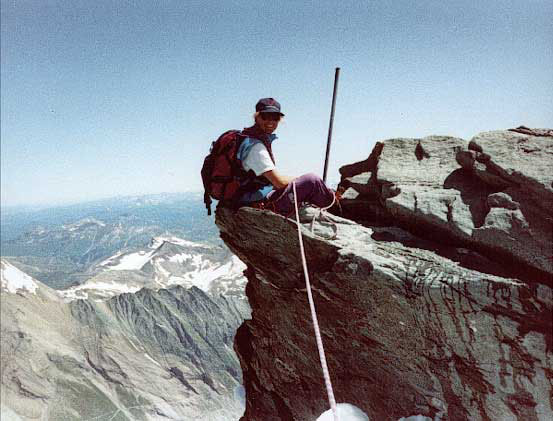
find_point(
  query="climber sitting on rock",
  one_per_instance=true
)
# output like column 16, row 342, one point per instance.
column 272, row 190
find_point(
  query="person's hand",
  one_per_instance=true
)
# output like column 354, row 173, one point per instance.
column 278, row 180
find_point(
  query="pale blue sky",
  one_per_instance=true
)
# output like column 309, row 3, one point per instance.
column 111, row 98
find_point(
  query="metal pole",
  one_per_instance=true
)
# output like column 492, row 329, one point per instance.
column 331, row 122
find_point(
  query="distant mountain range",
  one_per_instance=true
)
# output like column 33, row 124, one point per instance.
column 165, row 262
column 122, row 309
column 59, row 245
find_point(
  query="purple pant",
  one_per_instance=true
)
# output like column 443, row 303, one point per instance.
column 310, row 188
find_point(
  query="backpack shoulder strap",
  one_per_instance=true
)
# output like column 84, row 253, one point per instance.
column 249, row 143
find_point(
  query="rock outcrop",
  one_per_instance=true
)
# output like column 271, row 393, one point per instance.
column 493, row 195
column 436, row 297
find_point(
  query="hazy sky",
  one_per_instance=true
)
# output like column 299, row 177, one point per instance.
column 102, row 98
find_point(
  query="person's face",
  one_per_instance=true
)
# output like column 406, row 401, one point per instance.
column 268, row 122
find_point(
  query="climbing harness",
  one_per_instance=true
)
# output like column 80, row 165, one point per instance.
column 322, row 357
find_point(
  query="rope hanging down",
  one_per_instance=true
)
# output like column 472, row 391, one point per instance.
column 322, row 357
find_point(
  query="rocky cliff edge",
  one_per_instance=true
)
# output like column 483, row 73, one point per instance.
column 435, row 298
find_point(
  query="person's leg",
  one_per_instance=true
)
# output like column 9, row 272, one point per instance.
column 310, row 188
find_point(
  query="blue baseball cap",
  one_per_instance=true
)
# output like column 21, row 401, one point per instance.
column 268, row 105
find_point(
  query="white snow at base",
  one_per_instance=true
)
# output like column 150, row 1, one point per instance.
column 13, row 279
column 346, row 412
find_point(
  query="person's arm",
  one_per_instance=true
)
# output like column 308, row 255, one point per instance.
column 277, row 180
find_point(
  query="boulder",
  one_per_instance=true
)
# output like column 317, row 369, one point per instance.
column 494, row 194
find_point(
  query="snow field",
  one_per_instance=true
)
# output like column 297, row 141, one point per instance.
column 13, row 279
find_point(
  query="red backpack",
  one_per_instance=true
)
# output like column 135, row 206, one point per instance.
column 222, row 172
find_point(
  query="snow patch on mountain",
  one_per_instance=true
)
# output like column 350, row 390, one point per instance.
column 205, row 273
column 132, row 261
column 82, row 223
column 181, row 258
column 110, row 259
column 136, row 260
column 105, row 289
column 13, row 280
column 161, row 270
column 166, row 261
column 158, row 241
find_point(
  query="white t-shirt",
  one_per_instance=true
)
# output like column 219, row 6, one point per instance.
column 258, row 160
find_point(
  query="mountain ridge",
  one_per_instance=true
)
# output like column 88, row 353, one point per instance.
column 57, row 245
column 120, row 357
column 166, row 261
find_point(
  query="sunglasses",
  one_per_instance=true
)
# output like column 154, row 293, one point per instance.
column 270, row 116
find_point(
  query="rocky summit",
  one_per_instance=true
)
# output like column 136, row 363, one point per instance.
column 435, row 298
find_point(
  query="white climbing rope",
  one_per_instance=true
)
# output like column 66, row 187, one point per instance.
column 322, row 357
column 322, row 217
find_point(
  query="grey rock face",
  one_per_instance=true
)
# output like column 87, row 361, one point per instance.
column 151, row 355
column 519, row 218
column 493, row 195
column 424, row 309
